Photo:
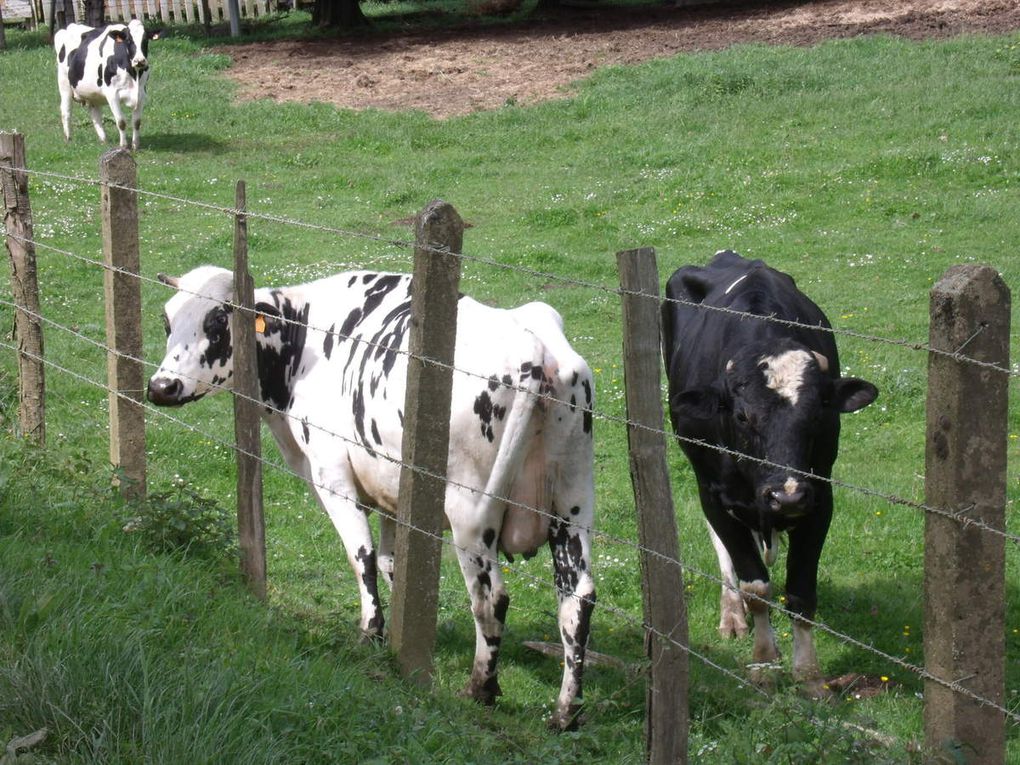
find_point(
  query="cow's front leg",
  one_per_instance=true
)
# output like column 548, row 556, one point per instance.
column 757, row 594
column 121, row 121
column 570, row 544
column 806, row 542
column 732, row 611
column 136, row 127
column 741, row 566
column 752, row 578
column 476, row 552
column 96, row 113
column 337, row 495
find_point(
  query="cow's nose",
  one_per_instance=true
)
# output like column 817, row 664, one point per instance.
column 788, row 497
column 164, row 391
column 782, row 498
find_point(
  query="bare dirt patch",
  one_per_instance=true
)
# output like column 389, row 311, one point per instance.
column 472, row 68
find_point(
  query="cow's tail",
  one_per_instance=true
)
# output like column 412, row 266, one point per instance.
column 517, row 435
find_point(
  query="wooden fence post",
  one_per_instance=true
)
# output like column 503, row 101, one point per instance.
column 665, row 612
column 964, row 566
column 234, row 13
column 24, row 287
column 251, row 527
column 421, row 502
column 122, row 288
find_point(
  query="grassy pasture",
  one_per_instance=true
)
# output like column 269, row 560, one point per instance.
column 864, row 168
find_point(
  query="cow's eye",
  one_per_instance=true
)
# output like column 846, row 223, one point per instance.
column 166, row 325
column 741, row 417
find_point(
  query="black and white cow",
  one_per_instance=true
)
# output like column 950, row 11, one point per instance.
column 104, row 65
column 771, row 391
column 332, row 365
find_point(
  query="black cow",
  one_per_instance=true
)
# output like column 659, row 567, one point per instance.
column 771, row 391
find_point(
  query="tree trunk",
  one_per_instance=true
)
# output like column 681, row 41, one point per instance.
column 95, row 10
column 338, row 13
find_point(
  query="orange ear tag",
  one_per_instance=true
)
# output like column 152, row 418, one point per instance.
column 260, row 324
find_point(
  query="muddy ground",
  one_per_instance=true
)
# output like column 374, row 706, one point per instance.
column 471, row 68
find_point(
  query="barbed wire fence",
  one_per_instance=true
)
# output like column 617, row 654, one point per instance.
column 959, row 518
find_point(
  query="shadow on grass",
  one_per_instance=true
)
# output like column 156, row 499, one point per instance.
column 182, row 142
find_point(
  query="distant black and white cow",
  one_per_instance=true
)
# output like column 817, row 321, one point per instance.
column 771, row 391
column 104, row 65
column 332, row 365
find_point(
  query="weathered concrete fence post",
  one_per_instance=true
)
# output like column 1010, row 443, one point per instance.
column 665, row 612
column 25, row 288
column 251, row 526
column 426, row 442
column 964, row 568
column 122, row 288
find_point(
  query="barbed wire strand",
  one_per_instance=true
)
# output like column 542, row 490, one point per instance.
column 350, row 233
column 951, row 685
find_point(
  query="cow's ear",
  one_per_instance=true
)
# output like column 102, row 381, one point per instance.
column 852, row 393
column 698, row 403
column 170, row 281
column 267, row 318
column 154, row 35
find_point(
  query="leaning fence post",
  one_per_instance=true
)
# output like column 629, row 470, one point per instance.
column 123, row 290
column 24, row 287
column 251, row 527
column 965, row 474
column 665, row 613
column 426, row 440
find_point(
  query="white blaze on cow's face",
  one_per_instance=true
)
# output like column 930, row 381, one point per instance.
column 785, row 373
column 139, row 49
column 199, row 350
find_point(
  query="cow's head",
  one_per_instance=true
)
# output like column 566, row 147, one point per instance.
column 199, row 351
column 780, row 406
column 136, row 40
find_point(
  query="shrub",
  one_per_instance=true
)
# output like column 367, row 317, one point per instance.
column 183, row 520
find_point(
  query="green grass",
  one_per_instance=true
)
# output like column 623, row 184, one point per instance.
column 864, row 168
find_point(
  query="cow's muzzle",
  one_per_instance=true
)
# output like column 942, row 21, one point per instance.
column 165, row 391
column 791, row 498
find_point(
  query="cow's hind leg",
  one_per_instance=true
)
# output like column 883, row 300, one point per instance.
column 65, row 110
column 96, row 113
column 476, row 552
column 570, row 543
column 387, row 541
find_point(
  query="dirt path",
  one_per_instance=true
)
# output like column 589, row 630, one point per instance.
column 461, row 71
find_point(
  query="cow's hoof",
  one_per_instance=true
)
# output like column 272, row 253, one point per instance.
column 566, row 720
column 732, row 628
column 370, row 637
column 815, row 689
column 763, row 675
column 482, row 692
